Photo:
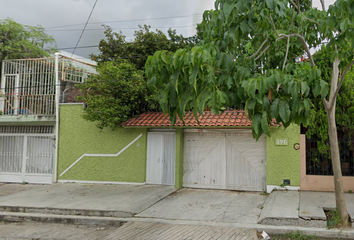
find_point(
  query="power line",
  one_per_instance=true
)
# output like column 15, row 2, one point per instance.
column 131, row 20
column 83, row 30
column 97, row 29
column 126, row 43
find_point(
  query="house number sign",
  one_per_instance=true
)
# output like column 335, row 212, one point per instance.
column 281, row 142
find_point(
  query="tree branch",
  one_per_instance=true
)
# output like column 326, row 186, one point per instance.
column 296, row 6
column 334, row 84
column 286, row 54
column 325, row 103
column 298, row 11
column 280, row 38
column 304, row 44
column 292, row 21
column 259, row 49
column 340, row 82
column 323, row 5
column 311, row 20
column 271, row 20
column 263, row 52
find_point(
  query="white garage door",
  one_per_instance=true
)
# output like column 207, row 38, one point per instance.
column 224, row 160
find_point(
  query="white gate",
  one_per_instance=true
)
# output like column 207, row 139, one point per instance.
column 161, row 157
column 224, row 160
column 26, row 156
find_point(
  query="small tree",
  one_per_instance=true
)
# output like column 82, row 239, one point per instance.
column 116, row 94
column 248, row 59
column 318, row 126
column 22, row 41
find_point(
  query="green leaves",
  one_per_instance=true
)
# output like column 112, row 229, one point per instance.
column 256, row 125
column 320, row 88
column 284, row 111
column 22, row 41
column 117, row 94
column 265, row 123
column 305, row 89
column 193, row 77
column 246, row 61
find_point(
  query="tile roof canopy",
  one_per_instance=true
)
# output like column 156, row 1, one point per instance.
column 159, row 119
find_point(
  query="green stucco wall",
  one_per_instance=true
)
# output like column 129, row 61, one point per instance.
column 179, row 159
column 78, row 136
column 283, row 162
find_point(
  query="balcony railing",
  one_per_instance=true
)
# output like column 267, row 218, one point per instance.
column 28, row 86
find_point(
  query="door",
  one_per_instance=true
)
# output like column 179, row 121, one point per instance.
column 203, row 160
column 224, row 160
column 26, row 157
column 245, row 162
column 161, row 157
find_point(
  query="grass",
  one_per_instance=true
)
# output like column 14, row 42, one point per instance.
column 333, row 218
column 292, row 235
column 299, row 236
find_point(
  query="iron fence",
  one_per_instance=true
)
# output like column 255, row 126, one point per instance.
column 318, row 163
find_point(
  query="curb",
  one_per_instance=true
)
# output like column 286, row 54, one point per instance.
column 63, row 219
column 270, row 229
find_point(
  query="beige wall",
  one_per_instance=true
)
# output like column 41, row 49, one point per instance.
column 317, row 182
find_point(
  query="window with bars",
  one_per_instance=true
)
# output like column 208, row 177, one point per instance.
column 318, row 163
column 40, row 129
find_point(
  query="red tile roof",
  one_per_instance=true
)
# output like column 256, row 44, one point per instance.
column 159, row 119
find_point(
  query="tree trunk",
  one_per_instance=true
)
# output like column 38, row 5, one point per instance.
column 333, row 139
column 337, row 171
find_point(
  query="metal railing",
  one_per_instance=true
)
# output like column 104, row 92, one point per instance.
column 28, row 86
column 321, row 164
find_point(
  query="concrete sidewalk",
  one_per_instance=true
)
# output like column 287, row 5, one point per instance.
column 81, row 199
column 294, row 208
column 114, row 205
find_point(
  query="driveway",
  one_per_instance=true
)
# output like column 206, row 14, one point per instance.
column 209, row 205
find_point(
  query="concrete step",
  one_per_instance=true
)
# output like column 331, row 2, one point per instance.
column 66, row 211
column 61, row 218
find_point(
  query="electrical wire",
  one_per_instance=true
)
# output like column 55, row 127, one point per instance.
column 83, row 30
column 123, row 28
column 131, row 20
column 126, row 43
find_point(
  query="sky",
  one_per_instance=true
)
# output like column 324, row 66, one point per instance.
column 65, row 19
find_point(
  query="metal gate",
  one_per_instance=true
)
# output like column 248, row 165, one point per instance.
column 161, row 157
column 224, row 160
column 26, row 154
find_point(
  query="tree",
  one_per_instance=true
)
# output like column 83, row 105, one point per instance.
column 22, row 41
column 318, row 126
column 247, row 58
column 118, row 92
column 145, row 43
